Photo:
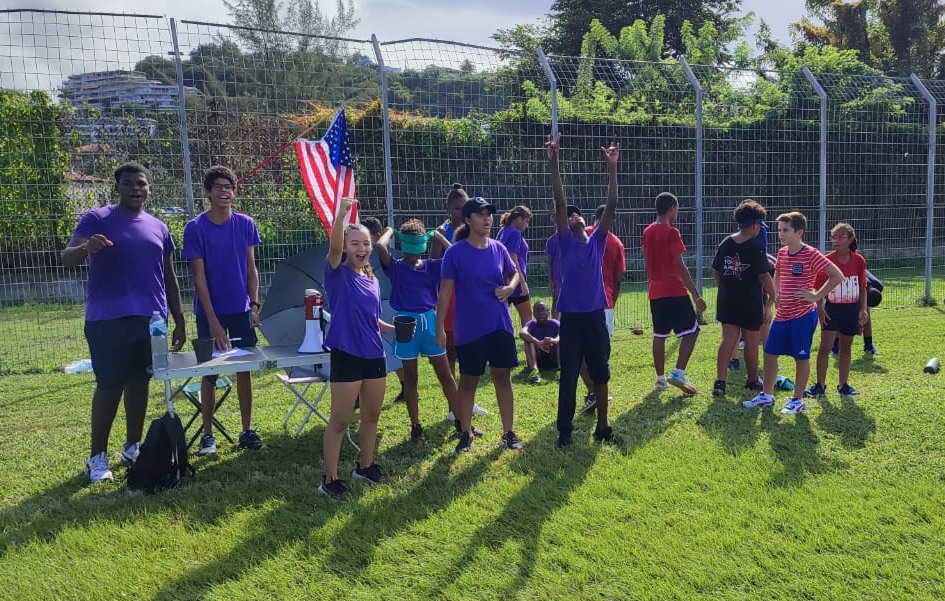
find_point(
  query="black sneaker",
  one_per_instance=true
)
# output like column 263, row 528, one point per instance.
column 590, row 402
column 416, row 434
column 400, row 396
column 606, row 435
column 718, row 389
column 511, row 442
column 250, row 440
column 372, row 473
column 465, row 443
column 756, row 386
column 335, row 489
column 476, row 432
column 564, row 440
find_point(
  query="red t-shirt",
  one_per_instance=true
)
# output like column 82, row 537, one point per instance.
column 797, row 272
column 853, row 286
column 662, row 247
column 615, row 263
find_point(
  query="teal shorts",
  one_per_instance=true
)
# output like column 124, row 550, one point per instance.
column 424, row 338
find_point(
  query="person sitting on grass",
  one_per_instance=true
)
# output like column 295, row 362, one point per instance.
column 541, row 342
column 796, row 269
column 415, row 284
column 842, row 313
column 741, row 274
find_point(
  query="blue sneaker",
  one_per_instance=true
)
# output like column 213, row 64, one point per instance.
column 735, row 364
column 815, row 391
column 847, row 390
column 761, row 401
column 870, row 349
column 835, row 350
column 793, row 407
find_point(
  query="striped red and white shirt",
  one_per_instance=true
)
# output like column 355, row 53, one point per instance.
column 797, row 272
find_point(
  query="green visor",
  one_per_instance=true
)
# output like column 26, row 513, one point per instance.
column 413, row 244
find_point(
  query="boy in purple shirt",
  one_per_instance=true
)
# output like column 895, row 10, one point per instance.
column 541, row 342
column 219, row 244
column 415, row 284
column 483, row 276
column 584, row 335
column 131, row 275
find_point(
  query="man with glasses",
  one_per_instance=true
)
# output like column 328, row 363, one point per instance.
column 219, row 244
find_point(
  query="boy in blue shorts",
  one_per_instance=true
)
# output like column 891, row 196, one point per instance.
column 791, row 333
column 415, row 284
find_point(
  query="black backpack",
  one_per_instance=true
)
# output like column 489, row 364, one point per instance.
column 162, row 460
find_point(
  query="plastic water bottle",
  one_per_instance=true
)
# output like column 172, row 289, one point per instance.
column 78, row 367
column 158, row 328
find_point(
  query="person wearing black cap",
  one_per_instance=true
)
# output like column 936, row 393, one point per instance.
column 742, row 273
column 584, row 336
column 481, row 273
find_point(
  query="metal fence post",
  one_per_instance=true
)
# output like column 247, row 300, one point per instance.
column 385, row 115
column 553, row 87
column 182, row 115
column 822, row 231
column 929, row 184
column 694, row 82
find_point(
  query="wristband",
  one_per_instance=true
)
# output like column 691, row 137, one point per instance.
column 254, row 305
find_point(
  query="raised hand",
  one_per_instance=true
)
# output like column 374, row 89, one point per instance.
column 346, row 205
column 552, row 147
column 611, row 153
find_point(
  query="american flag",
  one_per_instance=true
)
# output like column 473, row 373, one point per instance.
column 327, row 170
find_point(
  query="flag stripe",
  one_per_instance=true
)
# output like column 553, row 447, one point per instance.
column 328, row 172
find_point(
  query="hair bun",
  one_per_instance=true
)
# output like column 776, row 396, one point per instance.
column 457, row 186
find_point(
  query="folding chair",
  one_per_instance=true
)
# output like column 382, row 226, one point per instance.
column 299, row 381
column 191, row 391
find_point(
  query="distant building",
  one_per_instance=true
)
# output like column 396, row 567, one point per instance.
column 115, row 89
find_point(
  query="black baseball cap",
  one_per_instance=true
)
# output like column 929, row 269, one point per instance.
column 573, row 210
column 475, row 205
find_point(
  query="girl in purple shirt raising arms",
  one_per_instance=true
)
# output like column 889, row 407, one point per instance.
column 357, row 353
column 481, row 273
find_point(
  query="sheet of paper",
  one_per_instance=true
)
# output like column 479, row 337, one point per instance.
column 233, row 352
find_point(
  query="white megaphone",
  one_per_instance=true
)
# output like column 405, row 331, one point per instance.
column 312, row 343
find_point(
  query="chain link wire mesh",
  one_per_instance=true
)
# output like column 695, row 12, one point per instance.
column 457, row 113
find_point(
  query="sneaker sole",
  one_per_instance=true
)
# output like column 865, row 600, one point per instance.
column 205, row 452
column 687, row 388
column 793, row 411
column 356, row 476
column 757, row 405
column 327, row 494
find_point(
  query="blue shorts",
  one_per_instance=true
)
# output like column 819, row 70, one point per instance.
column 236, row 326
column 424, row 339
column 792, row 337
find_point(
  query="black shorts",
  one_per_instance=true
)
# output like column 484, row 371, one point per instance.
column 518, row 300
column 346, row 367
column 585, row 334
column 497, row 349
column 673, row 314
column 236, row 326
column 547, row 360
column 843, row 318
column 748, row 316
column 120, row 350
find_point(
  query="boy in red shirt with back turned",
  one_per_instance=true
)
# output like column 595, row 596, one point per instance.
column 670, row 286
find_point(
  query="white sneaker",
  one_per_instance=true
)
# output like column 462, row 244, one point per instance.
column 761, row 401
column 129, row 453
column 97, row 468
column 208, row 445
column 477, row 410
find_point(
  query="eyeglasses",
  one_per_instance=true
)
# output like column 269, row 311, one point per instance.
column 223, row 187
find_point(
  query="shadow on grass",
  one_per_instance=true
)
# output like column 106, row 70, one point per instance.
column 731, row 424
column 848, row 421
column 867, row 364
column 795, row 444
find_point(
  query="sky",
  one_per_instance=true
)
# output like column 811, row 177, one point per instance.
column 37, row 51
column 471, row 21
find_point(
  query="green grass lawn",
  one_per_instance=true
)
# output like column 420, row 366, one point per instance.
column 704, row 500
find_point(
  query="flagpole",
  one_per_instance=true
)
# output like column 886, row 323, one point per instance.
column 269, row 158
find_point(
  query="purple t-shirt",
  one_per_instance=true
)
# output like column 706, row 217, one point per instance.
column 354, row 300
column 551, row 250
column 515, row 242
column 477, row 272
column 582, row 288
column 550, row 329
column 223, row 249
column 128, row 278
column 411, row 289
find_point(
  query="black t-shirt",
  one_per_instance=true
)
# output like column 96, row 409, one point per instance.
column 740, row 264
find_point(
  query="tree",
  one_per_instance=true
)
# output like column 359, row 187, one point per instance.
column 570, row 20
column 271, row 25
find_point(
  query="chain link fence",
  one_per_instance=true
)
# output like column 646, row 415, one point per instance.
column 81, row 93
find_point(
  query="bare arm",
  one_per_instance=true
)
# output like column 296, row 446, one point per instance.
column 557, row 187
column 202, row 290
column 612, row 156
column 383, row 247
column 172, row 294
column 252, row 286
column 80, row 248
column 336, row 244
column 690, row 283
column 442, row 306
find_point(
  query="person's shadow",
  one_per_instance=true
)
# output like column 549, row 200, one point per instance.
column 732, row 425
column 848, row 421
column 796, row 446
